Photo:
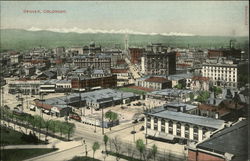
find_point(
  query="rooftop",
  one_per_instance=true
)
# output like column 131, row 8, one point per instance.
column 200, row 78
column 157, row 79
column 187, row 118
column 171, row 92
column 232, row 140
column 176, row 104
column 180, row 76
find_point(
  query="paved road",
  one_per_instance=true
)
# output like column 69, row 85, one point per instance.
column 132, row 69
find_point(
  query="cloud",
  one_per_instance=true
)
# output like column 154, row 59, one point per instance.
column 93, row 31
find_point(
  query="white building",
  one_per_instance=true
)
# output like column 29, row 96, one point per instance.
column 166, row 124
column 154, row 82
column 221, row 72
column 25, row 86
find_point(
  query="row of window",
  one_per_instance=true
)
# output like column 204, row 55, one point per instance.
column 219, row 68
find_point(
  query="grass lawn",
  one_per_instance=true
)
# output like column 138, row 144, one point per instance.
column 22, row 154
column 83, row 159
column 11, row 137
column 132, row 90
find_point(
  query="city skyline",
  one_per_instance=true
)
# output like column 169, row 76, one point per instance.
column 165, row 18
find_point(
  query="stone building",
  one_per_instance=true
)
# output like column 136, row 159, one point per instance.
column 93, row 61
column 157, row 61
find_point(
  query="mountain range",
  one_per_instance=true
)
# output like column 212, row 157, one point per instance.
column 19, row 39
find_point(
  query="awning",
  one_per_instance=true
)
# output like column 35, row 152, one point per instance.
column 165, row 136
column 151, row 132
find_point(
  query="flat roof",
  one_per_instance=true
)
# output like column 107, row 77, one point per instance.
column 232, row 140
column 105, row 93
column 176, row 104
column 188, row 118
column 168, row 92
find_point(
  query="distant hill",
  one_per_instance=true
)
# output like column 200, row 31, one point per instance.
column 17, row 39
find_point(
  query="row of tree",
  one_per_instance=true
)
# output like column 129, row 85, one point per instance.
column 118, row 148
column 37, row 123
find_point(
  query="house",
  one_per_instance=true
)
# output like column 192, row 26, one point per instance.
column 160, row 97
column 154, row 82
column 199, row 83
column 183, row 79
column 228, row 144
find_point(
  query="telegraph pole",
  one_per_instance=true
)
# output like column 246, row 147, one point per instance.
column 79, row 94
column 102, row 122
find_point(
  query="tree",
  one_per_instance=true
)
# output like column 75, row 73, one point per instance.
column 140, row 146
column 60, row 127
column 47, row 124
column 39, row 123
column 204, row 95
column 52, row 126
column 70, row 128
column 112, row 116
column 105, row 140
column 117, row 145
column 154, row 151
column 179, row 86
column 191, row 96
column 95, row 147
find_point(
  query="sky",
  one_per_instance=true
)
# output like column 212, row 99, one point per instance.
column 217, row 18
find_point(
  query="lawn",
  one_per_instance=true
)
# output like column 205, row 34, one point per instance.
column 132, row 90
column 22, row 154
column 83, row 159
column 11, row 137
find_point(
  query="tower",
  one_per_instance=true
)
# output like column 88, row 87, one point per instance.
column 126, row 42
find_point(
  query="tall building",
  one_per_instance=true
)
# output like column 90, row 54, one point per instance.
column 135, row 55
column 157, row 61
column 95, row 62
column 221, row 72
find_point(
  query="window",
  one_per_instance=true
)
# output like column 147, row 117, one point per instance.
column 170, row 128
column 186, row 131
column 178, row 125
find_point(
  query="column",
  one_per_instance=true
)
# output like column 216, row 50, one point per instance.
column 200, row 134
column 183, row 130
column 152, row 123
column 174, row 129
column 145, row 122
column 191, row 132
column 166, row 126
column 159, row 124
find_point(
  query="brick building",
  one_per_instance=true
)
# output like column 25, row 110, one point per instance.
column 228, row 53
column 157, row 61
column 135, row 55
column 88, row 83
column 228, row 144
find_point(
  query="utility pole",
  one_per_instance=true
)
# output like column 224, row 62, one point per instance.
column 2, row 96
column 79, row 94
column 134, row 132
column 102, row 122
